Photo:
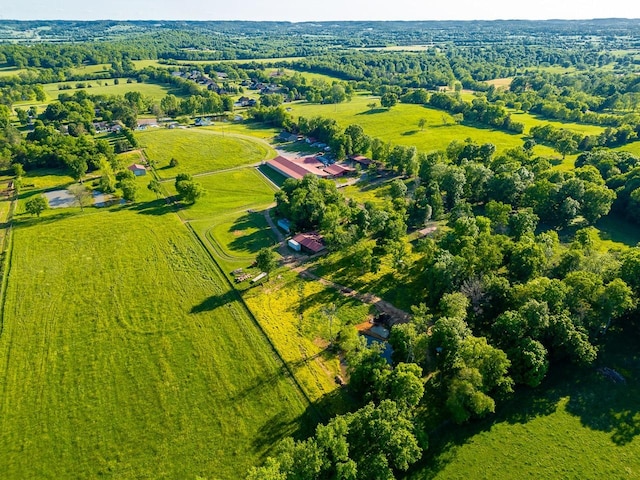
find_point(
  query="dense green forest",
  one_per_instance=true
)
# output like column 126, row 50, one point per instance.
column 518, row 281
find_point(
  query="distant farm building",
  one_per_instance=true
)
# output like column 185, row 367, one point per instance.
column 299, row 167
column 311, row 242
column 144, row 123
column 336, row 170
column 202, row 122
column 137, row 169
column 288, row 137
column 362, row 160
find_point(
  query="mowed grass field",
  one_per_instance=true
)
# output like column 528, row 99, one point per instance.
column 124, row 354
column 200, row 151
column 101, row 87
column 399, row 124
column 577, row 424
column 226, row 193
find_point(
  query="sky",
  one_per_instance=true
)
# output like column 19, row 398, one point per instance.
column 310, row 10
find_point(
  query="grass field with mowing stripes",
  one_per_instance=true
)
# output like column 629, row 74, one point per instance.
column 124, row 353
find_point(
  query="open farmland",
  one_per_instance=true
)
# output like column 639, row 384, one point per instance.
column 399, row 124
column 101, row 87
column 228, row 192
column 200, row 151
column 124, row 353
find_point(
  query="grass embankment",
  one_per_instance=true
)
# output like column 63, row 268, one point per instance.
column 577, row 424
column 200, row 151
column 125, row 353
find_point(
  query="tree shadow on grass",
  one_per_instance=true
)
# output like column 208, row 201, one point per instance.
column 156, row 207
column 254, row 241
column 215, row 301
column 409, row 133
column 609, row 406
column 27, row 220
column 444, row 441
column 337, row 402
column 373, row 111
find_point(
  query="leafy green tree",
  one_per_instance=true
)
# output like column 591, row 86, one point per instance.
column 630, row 268
column 498, row 213
column 596, row 202
column 36, row 205
column 466, row 398
column 129, row 189
column 154, row 186
column 615, row 299
column 398, row 189
column 78, row 167
column 421, row 123
column 266, row 260
column 18, row 170
column 389, row 100
column 523, row 223
column 107, row 180
column 529, row 362
column 571, row 341
column 188, row 189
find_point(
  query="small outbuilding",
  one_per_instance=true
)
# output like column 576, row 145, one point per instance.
column 137, row 169
column 310, row 242
column 294, row 245
column 285, row 225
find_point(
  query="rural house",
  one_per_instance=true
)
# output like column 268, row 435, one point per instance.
column 137, row 169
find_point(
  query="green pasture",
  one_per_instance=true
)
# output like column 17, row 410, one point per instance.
column 45, row 179
column 366, row 191
column 504, row 82
column 11, row 71
column 616, row 232
column 529, row 120
column 227, row 192
column 252, row 129
column 577, row 424
column 91, row 69
column 309, row 76
column 235, row 238
column 633, row 147
column 127, row 158
column 125, row 354
column 140, row 64
column 100, row 87
column 200, row 151
column 399, row 124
